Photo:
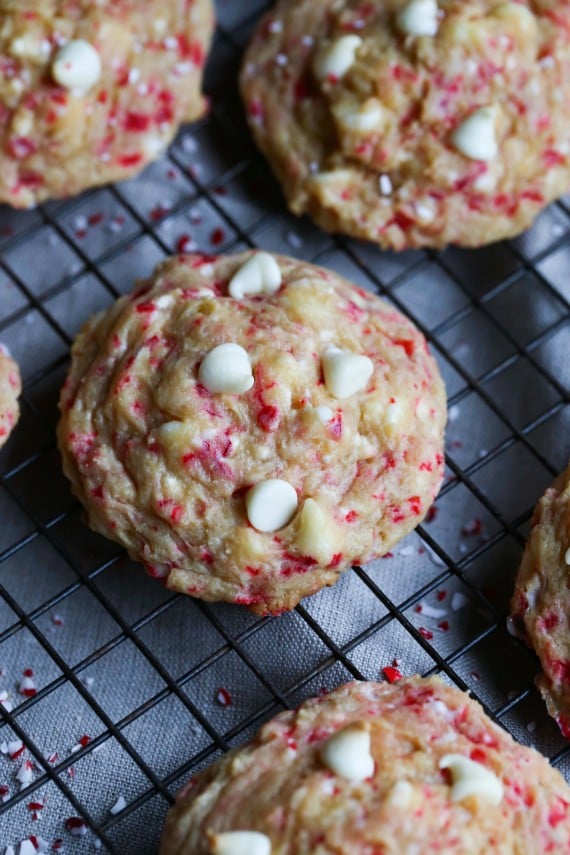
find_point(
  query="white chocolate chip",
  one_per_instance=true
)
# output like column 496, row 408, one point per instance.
column 226, row 368
column 259, row 275
column 345, row 373
column 271, row 504
column 401, row 794
column 368, row 118
column 475, row 137
column 347, row 753
column 567, row 557
column 337, row 58
column 471, row 779
column 241, row 843
column 419, row 18
column 323, row 413
column 318, row 534
column 77, row 66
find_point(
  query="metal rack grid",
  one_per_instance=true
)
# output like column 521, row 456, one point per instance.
column 162, row 684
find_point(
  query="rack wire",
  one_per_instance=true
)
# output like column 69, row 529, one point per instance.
column 137, row 688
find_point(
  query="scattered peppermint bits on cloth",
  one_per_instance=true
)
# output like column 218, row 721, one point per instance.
column 416, row 766
column 414, row 123
column 10, row 389
column 541, row 599
column 250, row 448
column 92, row 92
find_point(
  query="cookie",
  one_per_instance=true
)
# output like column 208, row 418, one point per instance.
column 414, row 124
column 541, row 601
column 90, row 92
column 10, row 389
column 249, row 426
column 414, row 767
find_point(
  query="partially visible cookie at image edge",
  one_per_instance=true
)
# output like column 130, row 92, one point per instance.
column 413, row 123
column 92, row 92
column 541, row 601
column 10, row 389
column 412, row 767
column 248, row 426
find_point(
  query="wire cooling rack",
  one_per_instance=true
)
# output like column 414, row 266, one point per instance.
column 114, row 691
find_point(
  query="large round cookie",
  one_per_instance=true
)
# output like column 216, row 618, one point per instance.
column 10, row 388
column 248, row 448
column 375, row 769
column 414, row 123
column 90, row 91
column 541, row 601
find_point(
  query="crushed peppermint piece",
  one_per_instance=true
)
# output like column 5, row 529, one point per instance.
column 223, row 697
column 458, row 601
column 25, row 774
column 348, row 754
column 27, row 687
column 392, row 674
column 27, row 848
column 431, row 611
column 119, row 806
column 76, row 826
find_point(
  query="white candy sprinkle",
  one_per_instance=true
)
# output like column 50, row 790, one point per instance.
column 119, row 805
column 336, row 60
column 271, row 504
column 475, row 137
column 419, row 18
column 241, row 843
column 226, row 368
column 260, row 274
column 347, row 753
column 471, row 779
column 386, row 186
column 77, row 66
column 567, row 557
column 345, row 373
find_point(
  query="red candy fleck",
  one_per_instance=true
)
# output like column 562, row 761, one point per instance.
column 137, row 122
column 217, row 237
column 426, row 633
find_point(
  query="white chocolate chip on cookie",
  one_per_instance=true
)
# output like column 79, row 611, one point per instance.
column 241, row 843
column 419, row 18
column 261, row 274
column 476, row 137
column 345, row 373
column 347, row 753
column 323, row 413
column 271, row 504
column 226, row 368
column 471, row 779
column 77, row 66
column 337, row 58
